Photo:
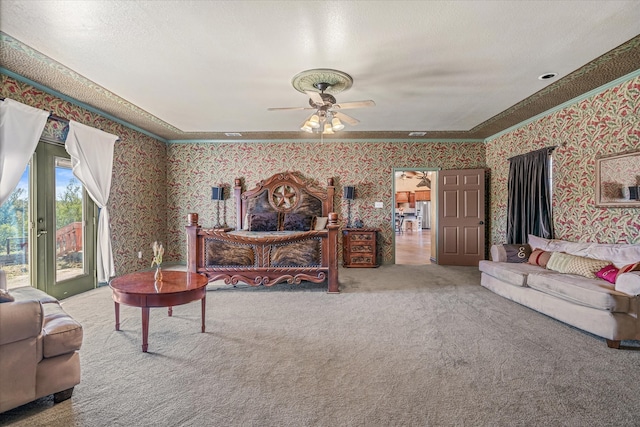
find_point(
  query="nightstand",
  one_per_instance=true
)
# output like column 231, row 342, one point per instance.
column 359, row 247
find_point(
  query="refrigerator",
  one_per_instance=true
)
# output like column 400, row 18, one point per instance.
column 423, row 214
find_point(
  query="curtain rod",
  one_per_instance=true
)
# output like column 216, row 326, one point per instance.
column 51, row 116
column 550, row 149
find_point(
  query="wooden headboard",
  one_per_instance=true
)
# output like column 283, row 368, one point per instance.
column 284, row 193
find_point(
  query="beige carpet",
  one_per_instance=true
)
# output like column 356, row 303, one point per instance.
column 400, row 346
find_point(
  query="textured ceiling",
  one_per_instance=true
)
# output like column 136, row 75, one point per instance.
column 195, row 70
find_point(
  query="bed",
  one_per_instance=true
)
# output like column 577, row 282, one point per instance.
column 286, row 231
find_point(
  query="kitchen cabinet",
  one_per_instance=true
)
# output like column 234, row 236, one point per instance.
column 402, row 197
column 412, row 200
column 423, row 195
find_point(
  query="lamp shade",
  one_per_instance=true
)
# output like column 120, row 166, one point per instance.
column 349, row 193
column 217, row 193
column 336, row 124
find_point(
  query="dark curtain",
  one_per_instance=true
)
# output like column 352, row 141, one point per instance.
column 529, row 204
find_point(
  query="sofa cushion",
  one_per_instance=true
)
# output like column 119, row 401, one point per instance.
column 628, row 283
column 28, row 293
column 608, row 273
column 630, row 267
column 511, row 253
column 61, row 333
column 513, row 273
column 571, row 264
column 539, row 257
column 619, row 254
column 593, row 293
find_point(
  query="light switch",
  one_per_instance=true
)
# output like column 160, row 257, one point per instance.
column 379, row 205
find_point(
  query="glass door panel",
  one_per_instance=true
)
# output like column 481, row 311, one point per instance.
column 65, row 226
column 69, row 222
column 14, row 235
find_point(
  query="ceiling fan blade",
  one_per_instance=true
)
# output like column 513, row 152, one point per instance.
column 289, row 108
column 315, row 97
column 355, row 104
column 347, row 119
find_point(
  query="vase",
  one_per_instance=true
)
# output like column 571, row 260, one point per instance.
column 158, row 275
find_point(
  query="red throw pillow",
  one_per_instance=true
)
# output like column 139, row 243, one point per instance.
column 539, row 257
column 630, row 267
column 608, row 273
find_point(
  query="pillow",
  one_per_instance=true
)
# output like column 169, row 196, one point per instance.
column 608, row 273
column 321, row 222
column 630, row 267
column 538, row 242
column 539, row 257
column 572, row 264
column 245, row 223
column 517, row 253
column 297, row 222
column 266, row 221
column 5, row 296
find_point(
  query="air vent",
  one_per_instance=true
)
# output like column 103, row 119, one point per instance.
column 233, row 134
column 417, row 133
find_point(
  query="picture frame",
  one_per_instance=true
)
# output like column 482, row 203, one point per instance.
column 617, row 180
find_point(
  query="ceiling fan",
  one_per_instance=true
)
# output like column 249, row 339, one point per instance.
column 422, row 176
column 327, row 117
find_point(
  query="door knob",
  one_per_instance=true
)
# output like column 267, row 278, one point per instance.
column 481, row 223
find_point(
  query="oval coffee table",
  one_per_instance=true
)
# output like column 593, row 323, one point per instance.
column 141, row 290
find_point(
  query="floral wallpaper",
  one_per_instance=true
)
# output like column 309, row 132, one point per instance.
column 192, row 169
column 604, row 124
column 138, row 190
column 156, row 185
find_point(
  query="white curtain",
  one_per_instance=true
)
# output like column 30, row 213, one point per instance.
column 20, row 129
column 91, row 153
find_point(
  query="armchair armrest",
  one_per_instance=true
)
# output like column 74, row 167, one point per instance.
column 629, row 283
column 20, row 320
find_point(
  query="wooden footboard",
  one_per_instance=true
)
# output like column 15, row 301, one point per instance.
column 268, row 260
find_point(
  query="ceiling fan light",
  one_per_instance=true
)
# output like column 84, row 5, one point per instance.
column 314, row 121
column 307, row 127
column 336, row 124
column 327, row 129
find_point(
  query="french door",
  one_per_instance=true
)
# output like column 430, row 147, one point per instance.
column 63, row 222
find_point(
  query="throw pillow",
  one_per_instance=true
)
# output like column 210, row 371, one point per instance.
column 266, row 221
column 321, row 223
column 571, row 264
column 517, row 253
column 5, row 296
column 630, row 267
column 608, row 273
column 539, row 257
column 296, row 222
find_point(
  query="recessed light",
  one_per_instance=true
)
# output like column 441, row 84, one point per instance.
column 233, row 134
column 417, row 133
column 547, row 76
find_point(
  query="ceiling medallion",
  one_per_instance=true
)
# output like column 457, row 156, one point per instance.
column 333, row 81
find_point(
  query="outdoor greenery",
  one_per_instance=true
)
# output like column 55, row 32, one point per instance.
column 14, row 215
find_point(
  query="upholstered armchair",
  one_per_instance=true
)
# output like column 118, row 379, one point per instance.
column 39, row 346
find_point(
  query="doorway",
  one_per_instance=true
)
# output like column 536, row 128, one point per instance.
column 48, row 228
column 413, row 216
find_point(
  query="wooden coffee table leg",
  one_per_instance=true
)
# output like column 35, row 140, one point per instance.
column 145, row 328
column 204, row 305
column 117, row 306
column 170, row 311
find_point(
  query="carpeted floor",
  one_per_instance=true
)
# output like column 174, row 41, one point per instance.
column 400, row 346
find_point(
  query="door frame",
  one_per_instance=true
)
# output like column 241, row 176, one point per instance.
column 434, row 200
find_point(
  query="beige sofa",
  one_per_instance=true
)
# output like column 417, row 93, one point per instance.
column 39, row 346
column 608, row 310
